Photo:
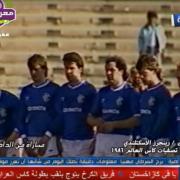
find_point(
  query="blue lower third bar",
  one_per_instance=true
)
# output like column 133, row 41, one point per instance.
column 90, row 161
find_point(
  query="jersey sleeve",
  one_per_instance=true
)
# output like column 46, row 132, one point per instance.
column 162, row 120
column 91, row 99
column 24, row 113
column 57, row 126
column 135, row 109
column 96, row 110
column 174, row 123
column 17, row 114
column 134, row 100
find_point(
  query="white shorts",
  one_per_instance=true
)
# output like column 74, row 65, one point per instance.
column 51, row 149
column 71, row 148
column 105, row 143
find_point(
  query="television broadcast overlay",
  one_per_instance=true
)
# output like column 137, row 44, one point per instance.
column 119, row 167
column 7, row 15
column 89, row 168
column 90, row 89
column 175, row 20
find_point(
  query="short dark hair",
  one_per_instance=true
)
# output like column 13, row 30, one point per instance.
column 120, row 64
column 73, row 57
column 38, row 59
column 152, row 14
column 140, row 61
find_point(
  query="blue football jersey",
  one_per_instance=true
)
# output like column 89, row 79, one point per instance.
column 176, row 107
column 137, row 130
column 10, row 114
column 75, row 103
column 39, row 113
column 155, row 108
column 116, row 105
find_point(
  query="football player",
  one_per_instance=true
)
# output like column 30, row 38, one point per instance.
column 38, row 101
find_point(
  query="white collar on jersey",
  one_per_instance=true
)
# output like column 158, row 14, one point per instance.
column 121, row 86
column 42, row 84
column 76, row 86
column 156, row 86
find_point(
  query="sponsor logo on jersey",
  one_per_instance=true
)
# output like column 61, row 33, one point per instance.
column 151, row 101
column 80, row 99
column 65, row 110
column 119, row 101
column 3, row 112
column 110, row 111
column 46, row 97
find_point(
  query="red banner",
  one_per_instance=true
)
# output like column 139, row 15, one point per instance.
column 93, row 173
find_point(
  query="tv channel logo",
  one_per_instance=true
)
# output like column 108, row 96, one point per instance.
column 175, row 20
column 7, row 15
